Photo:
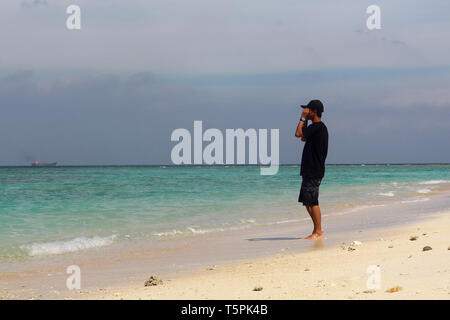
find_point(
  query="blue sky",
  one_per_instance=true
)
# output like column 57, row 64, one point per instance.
column 112, row 92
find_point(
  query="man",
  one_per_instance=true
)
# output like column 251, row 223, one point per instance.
column 313, row 161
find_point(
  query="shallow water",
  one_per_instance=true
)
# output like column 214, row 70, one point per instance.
column 47, row 211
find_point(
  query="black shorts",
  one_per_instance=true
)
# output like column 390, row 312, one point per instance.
column 309, row 191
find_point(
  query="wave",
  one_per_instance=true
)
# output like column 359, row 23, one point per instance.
column 291, row 220
column 423, row 190
column 434, row 181
column 167, row 233
column 202, row 231
column 58, row 247
column 359, row 208
column 247, row 221
column 415, row 200
column 387, row 194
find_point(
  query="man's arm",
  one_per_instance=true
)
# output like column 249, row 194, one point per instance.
column 301, row 124
column 299, row 131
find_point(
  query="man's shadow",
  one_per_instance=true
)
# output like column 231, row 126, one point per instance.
column 274, row 238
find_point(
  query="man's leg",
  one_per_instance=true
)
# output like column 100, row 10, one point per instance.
column 316, row 216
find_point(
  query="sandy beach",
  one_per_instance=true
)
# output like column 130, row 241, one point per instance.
column 264, row 262
column 319, row 271
column 336, row 272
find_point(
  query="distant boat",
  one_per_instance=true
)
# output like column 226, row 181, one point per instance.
column 43, row 164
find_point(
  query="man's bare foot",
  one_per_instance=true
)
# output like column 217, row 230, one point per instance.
column 315, row 235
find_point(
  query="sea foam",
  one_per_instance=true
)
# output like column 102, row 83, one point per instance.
column 386, row 194
column 434, row 181
column 58, row 247
column 415, row 200
column 167, row 233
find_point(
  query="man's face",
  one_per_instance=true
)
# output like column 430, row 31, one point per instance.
column 309, row 113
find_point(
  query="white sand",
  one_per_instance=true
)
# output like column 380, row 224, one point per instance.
column 323, row 273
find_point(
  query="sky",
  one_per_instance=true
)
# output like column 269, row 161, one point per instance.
column 113, row 92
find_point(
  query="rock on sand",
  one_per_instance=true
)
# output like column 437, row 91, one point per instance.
column 153, row 281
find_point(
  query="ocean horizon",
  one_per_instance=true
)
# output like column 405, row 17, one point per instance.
column 223, row 165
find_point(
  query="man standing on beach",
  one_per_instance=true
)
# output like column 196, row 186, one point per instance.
column 313, row 161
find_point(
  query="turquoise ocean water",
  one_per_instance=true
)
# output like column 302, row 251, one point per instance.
column 45, row 211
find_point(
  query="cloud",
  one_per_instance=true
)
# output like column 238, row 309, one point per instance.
column 431, row 97
column 91, row 118
column 31, row 3
column 204, row 37
column 113, row 91
column 377, row 36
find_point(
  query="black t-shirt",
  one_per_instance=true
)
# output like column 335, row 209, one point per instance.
column 315, row 150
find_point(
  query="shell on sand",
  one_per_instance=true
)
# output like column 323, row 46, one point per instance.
column 394, row 289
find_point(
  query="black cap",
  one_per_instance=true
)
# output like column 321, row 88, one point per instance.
column 314, row 105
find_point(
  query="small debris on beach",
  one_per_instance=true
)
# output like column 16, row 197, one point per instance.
column 211, row 268
column 153, row 281
column 351, row 246
column 257, row 288
column 394, row 289
column 413, row 238
column 306, row 269
column 370, row 291
column 448, row 248
column 427, row 248
column 391, row 246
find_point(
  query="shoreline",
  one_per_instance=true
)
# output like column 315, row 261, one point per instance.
column 46, row 249
column 121, row 266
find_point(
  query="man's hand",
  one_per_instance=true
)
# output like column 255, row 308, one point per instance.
column 303, row 139
column 304, row 113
